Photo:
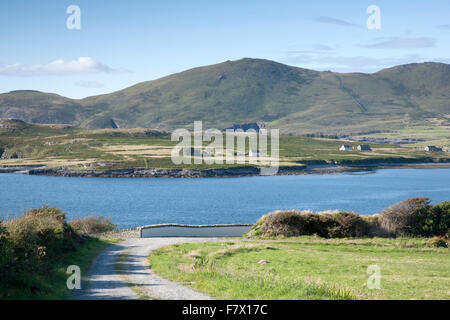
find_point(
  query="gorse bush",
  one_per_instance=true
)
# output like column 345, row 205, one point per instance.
column 295, row 223
column 6, row 253
column 348, row 224
column 93, row 225
column 441, row 225
column 412, row 217
column 439, row 242
column 43, row 230
column 31, row 244
column 407, row 218
column 323, row 224
column 416, row 217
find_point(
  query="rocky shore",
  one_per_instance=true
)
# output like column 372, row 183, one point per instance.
column 159, row 173
column 209, row 173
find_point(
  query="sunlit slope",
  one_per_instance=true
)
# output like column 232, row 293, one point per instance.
column 293, row 99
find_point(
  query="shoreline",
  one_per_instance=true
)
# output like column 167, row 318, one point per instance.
column 220, row 172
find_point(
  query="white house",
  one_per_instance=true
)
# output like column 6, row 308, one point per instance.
column 364, row 147
column 345, row 147
column 253, row 153
column 432, row 149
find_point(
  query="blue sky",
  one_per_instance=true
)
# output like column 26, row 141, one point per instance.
column 121, row 43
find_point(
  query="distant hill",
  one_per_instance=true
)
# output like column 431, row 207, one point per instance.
column 296, row 100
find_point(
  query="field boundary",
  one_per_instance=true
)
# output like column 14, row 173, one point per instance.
column 182, row 230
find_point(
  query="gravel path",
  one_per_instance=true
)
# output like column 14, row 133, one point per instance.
column 105, row 283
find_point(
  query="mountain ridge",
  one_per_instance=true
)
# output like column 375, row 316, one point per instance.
column 293, row 99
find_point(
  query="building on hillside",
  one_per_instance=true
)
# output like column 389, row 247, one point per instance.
column 345, row 147
column 253, row 153
column 432, row 149
column 364, row 147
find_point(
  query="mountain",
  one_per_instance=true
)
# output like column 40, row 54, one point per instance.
column 293, row 99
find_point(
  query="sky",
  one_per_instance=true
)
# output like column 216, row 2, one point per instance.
column 120, row 43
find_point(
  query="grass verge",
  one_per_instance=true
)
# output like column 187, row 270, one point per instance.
column 53, row 284
column 308, row 268
column 83, row 258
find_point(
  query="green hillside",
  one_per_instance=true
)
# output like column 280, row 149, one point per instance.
column 292, row 99
column 56, row 146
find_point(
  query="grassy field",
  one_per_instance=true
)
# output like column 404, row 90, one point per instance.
column 430, row 134
column 308, row 268
column 65, row 146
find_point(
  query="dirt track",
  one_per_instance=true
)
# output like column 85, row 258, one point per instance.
column 135, row 279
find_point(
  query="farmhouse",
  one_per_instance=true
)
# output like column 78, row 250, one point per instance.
column 432, row 149
column 253, row 153
column 364, row 147
column 345, row 147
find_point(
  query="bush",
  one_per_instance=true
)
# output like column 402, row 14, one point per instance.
column 442, row 221
column 295, row 223
column 348, row 224
column 93, row 225
column 6, row 252
column 324, row 224
column 438, row 242
column 31, row 244
column 411, row 217
column 44, row 230
column 373, row 225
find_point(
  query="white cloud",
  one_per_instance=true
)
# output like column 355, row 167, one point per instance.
column 337, row 22
column 89, row 84
column 82, row 65
column 403, row 43
column 354, row 63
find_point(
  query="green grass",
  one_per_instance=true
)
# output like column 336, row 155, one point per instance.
column 308, row 268
column 77, row 148
column 53, row 285
column 430, row 134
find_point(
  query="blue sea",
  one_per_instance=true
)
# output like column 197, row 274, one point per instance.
column 134, row 202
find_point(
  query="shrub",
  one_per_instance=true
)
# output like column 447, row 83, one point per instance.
column 348, row 224
column 31, row 244
column 411, row 217
column 93, row 225
column 6, row 253
column 286, row 223
column 442, row 221
column 54, row 232
column 295, row 223
column 373, row 225
column 438, row 242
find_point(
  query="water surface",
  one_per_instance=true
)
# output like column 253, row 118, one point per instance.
column 140, row 201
